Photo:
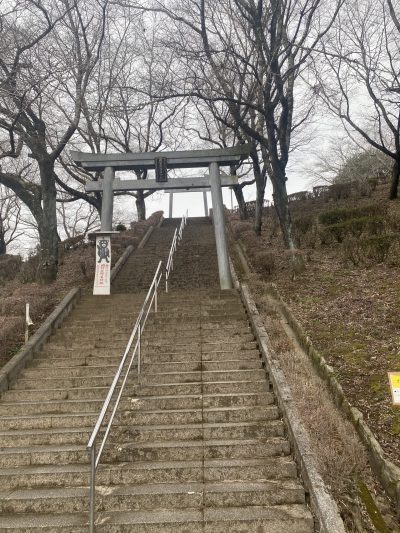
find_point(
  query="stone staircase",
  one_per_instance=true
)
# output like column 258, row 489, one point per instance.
column 199, row 444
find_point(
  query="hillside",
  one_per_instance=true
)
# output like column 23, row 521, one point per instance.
column 76, row 269
column 348, row 296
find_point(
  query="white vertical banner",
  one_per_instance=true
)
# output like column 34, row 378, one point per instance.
column 103, row 264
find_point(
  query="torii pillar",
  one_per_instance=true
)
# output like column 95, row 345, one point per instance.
column 107, row 201
column 225, row 277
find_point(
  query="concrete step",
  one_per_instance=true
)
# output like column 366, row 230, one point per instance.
column 80, row 436
column 196, row 416
column 270, row 519
column 209, row 449
column 43, row 421
column 227, row 365
column 153, row 496
column 56, row 383
column 50, row 407
column 187, row 401
column 204, row 376
column 36, row 395
column 152, row 356
column 42, row 455
column 209, row 470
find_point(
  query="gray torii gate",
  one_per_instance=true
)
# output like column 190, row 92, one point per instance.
column 213, row 159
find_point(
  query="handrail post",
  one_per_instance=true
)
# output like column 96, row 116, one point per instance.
column 92, row 487
column 139, row 345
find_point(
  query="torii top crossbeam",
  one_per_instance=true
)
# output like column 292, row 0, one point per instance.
column 143, row 161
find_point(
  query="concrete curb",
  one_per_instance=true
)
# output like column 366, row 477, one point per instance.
column 387, row 472
column 323, row 505
column 129, row 249
column 11, row 370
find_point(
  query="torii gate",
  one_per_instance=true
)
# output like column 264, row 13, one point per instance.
column 161, row 161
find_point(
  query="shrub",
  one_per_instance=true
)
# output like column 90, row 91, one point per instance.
column 370, row 250
column 239, row 227
column 341, row 191
column 304, row 230
column 29, row 268
column 335, row 216
column 120, row 227
column 264, row 261
column 354, row 227
column 10, row 265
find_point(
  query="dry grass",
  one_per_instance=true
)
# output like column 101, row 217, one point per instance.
column 341, row 458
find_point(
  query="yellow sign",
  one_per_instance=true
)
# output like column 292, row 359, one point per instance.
column 394, row 380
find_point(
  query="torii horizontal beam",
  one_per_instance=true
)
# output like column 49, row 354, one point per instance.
column 150, row 185
column 146, row 160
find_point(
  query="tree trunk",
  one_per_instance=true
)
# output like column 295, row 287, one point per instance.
column 395, row 180
column 140, row 206
column 241, row 203
column 3, row 245
column 282, row 209
column 259, row 210
column 48, row 265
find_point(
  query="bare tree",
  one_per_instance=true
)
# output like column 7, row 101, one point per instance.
column 357, row 75
column 49, row 55
column 10, row 218
column 251, row 56
column 211, row 124
column 77, row 219
column 121, row 112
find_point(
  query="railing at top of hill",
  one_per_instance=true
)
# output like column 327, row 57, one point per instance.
column 117, row 388
column 175, row 241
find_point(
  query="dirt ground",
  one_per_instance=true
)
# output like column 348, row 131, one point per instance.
column 351, row 314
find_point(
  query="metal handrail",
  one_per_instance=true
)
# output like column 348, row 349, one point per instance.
column 175, row 241
column 136, row 334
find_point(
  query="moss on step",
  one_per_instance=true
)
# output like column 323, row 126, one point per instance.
column 373, row 511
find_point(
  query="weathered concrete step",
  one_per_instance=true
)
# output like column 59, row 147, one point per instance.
column 51, row 351
column 153, row 496
column 99, row 393
column 183, row 356
column 261, row 519
column 209, row 449
column 183, row 432
column 196, row 416
column 43, row 455
column 79, row 393
column 215, row 470
column 42, row 421
column 45, row 361
column 204, row 348
column 237, row 364
column 205, row 376
column 196, row 401
column 68, row 372
column 119, row 433
column 181, row 342
column 39, row 437
column 50, row 407
column 186, row 337
column 215, row 387
column 76, row 499
column 58, row 383
column 270, row 519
